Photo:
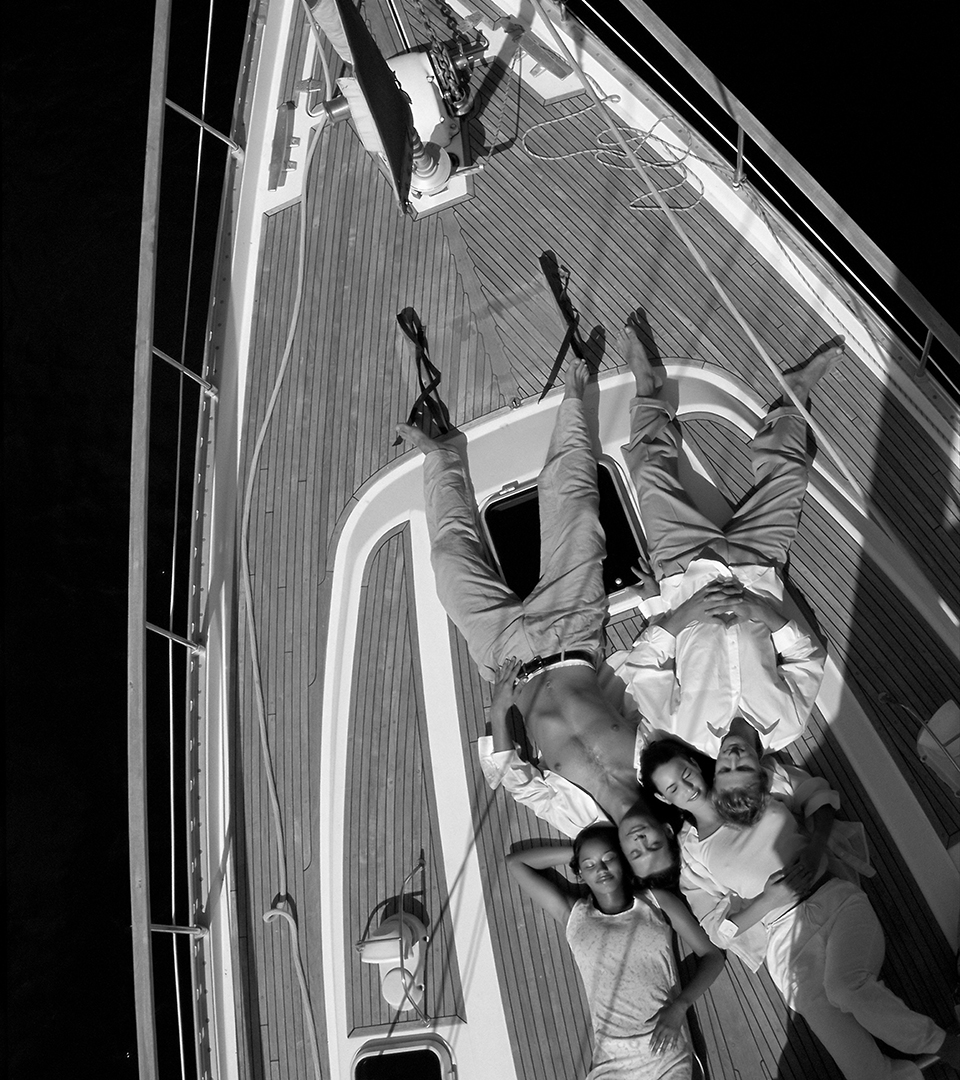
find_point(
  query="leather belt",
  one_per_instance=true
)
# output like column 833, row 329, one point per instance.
column 573, row 657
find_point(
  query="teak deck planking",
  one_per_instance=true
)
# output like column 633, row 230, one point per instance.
column 471, row 272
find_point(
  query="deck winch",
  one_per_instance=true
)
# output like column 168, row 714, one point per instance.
column 406, row 109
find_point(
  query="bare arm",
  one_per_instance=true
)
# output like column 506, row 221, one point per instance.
column 669, row 1019
column 505, row 692
column 525, row 866
column 783, row 887
column 819, row 827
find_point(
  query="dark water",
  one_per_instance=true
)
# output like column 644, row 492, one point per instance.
column 830, row 86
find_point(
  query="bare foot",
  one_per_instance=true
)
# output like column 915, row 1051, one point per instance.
column 804, row 378
column 575, row 380
column 647, row 378
column 415, row 437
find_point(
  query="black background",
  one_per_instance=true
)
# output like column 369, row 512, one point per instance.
column 867, row 102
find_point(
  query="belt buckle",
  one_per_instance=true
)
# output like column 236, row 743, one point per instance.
column 531, row 668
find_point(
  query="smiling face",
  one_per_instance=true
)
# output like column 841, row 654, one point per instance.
column 646, row 844
column 601, row 866
column 738, row 763
column 680, row 783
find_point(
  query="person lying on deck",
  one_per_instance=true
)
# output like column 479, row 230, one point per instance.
column 774, row 890
column 542, row 652
column 723, row 651
column 620, row 936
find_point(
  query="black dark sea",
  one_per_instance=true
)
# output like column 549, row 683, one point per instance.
column 865, row 98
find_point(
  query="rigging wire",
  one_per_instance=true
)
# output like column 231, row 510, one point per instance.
column 174, row 562
column 281, row 909
column 859, row 497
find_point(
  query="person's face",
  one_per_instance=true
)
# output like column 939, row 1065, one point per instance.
column 601, row 867
column 738, row 763
column 680, row 783
column 645, row 842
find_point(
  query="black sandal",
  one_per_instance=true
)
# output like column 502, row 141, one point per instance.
column 429, row 413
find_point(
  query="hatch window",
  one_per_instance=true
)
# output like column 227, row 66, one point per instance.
column 511, row 522
column 423, row 1058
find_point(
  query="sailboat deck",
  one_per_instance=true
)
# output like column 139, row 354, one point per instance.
column 471, row 271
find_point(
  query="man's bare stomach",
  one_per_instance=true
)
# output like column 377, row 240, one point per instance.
column 580, row 736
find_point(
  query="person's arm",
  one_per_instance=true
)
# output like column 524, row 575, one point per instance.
column 784, row 886
column 525, row 866
column 809, row 859
column 505, row 693
column 669, row 1019
column 714, row 599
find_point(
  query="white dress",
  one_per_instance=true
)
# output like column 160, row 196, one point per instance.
column 628, row 971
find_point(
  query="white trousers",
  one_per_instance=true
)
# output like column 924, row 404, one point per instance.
column 825, row 957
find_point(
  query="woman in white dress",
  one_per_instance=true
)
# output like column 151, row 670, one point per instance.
column 621, row 939
column 781, row 893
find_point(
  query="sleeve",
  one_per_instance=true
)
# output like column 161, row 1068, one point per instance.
column 650, row 673
column 549, row 796
column 800, row 662
column 802, row 793
column 712, row 905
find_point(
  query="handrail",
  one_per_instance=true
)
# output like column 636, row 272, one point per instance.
column 149, row 977
column 136, row 603
column 798, row 175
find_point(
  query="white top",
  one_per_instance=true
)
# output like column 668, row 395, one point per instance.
column 720, row 874
column 693, row 685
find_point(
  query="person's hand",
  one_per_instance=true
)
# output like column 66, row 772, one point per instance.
column 807, row 863
column 668, row 1026
column 713, row 601
column 786, row 886
column 646, row 584
column 752, row 607
column 506, row 689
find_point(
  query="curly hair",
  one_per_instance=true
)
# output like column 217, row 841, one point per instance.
column 599, row 830
column 744, row 805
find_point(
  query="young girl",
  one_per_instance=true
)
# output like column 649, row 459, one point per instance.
column 766, row 892
column 621, row 941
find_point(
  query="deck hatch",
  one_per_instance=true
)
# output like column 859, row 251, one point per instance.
column 425, row 1057
column 511, row 525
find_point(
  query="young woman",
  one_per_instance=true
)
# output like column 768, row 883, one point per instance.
column 765, row 891
column 621, row 941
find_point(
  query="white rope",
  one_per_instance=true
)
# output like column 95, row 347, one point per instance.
column 858, row 495
column 617, row 148
column 281, row 909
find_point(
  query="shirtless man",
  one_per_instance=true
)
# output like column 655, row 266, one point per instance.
column 542, row 653
column 726, row 664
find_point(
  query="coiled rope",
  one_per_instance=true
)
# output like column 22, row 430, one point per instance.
column 618, row 147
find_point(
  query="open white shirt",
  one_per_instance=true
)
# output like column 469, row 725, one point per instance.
column 552, row 797
column 693, row 685
column 720, row 874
